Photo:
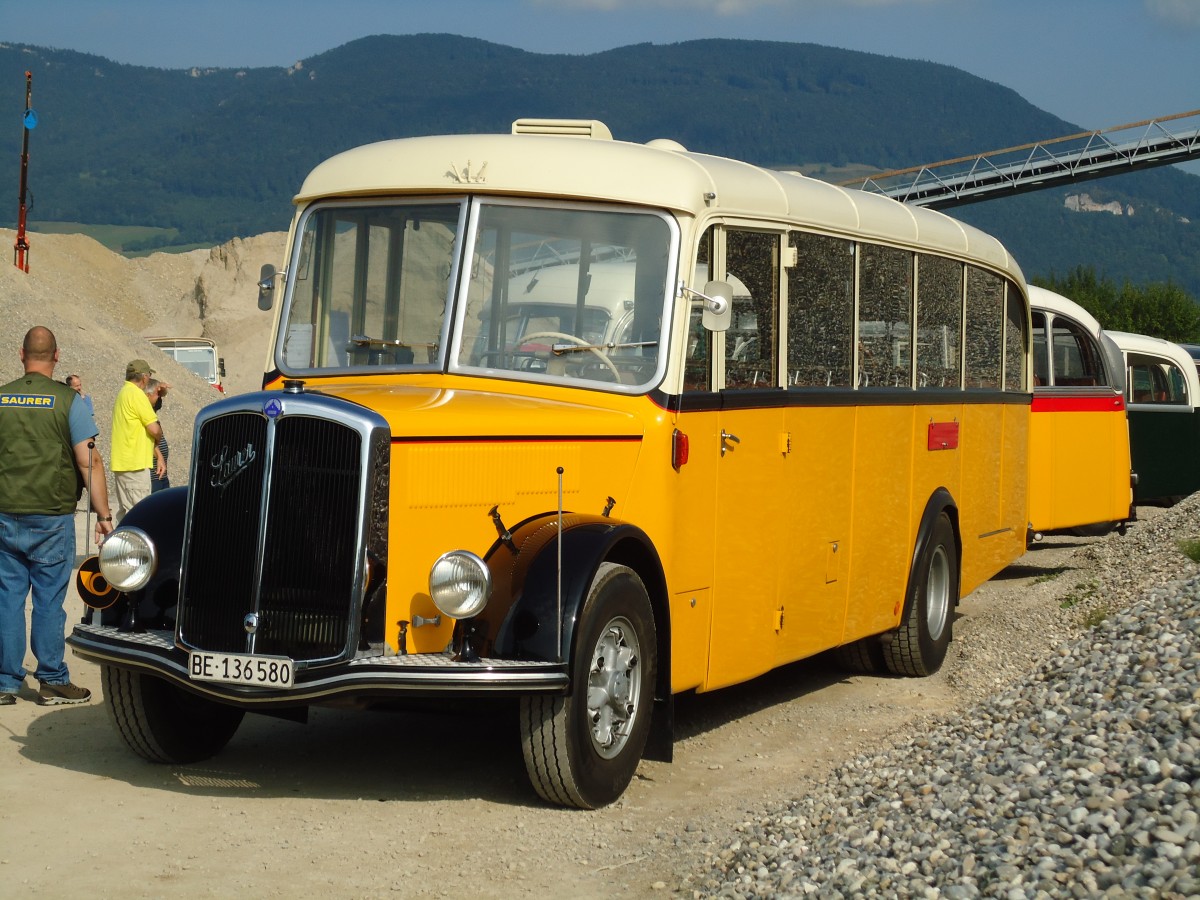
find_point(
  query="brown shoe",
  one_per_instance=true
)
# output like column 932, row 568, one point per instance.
column 62, row 694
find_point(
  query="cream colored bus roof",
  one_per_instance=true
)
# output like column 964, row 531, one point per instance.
column 660, row 174
column 1049, row 301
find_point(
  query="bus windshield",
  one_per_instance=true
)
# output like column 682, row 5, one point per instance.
column 556, row 293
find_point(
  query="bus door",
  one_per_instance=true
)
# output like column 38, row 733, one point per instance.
column 751, row 509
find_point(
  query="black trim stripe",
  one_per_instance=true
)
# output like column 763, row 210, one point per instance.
column 770, row 398
column 518, row 439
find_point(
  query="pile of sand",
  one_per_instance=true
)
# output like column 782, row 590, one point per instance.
column 102, row 307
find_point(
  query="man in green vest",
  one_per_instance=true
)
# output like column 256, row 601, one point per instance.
column 47, row 450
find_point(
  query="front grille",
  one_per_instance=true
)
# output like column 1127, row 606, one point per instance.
column 277, row 527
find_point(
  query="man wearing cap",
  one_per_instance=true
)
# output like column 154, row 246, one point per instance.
column 135, row 437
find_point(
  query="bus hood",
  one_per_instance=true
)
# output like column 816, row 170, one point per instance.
column 432, row 413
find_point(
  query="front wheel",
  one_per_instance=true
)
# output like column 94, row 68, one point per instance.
column 582, row 749
column 919, row 646
column 163, row 723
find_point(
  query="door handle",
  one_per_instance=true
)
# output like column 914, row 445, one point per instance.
column 726, row 439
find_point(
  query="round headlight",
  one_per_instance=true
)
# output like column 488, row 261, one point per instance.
column 460, row 584
column 127, row 559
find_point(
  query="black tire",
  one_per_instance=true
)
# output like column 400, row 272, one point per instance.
column 163, row 723
column 918, row 647
column 581, row 750
column 863, row 656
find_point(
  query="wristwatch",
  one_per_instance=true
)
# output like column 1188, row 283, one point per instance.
column 103, row 518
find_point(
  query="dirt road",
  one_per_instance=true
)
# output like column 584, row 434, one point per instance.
column 436, row 804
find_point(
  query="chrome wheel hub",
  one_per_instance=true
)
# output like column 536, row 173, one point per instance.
column 614, row 687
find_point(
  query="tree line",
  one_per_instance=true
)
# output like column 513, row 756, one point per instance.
column 1158, row 309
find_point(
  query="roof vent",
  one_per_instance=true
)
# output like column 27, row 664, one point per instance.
column 583, row 128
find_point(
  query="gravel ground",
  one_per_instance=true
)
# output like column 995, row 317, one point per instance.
column 1079, row 779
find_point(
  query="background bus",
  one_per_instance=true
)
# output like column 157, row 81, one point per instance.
column 198, row 355
column 1163, row 393
column 1079, row 465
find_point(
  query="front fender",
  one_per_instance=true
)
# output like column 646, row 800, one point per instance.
column 524, row 619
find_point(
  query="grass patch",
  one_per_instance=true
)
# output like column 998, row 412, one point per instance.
column 1085, row 590
column 1095, row 616
column 1047, row 576
column 1191, row 548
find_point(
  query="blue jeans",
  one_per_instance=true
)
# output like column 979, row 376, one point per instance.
column 36, row 553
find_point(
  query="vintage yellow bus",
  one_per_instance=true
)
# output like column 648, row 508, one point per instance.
column 1080, row 474
column 585, row 423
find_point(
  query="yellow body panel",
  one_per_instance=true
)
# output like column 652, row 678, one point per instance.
column 1078, row 466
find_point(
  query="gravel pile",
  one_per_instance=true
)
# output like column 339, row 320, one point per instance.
column 1079, row 779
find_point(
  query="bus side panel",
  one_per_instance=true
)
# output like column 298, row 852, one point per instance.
column 814, row 565
column 884, row 521
column 993, row 506
column 1078, row 464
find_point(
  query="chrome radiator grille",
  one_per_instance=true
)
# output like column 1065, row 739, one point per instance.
column 276, row 529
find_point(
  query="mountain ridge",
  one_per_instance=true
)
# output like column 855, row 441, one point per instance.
column 218, row 153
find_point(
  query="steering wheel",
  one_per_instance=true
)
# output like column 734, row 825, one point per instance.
column 579, row 342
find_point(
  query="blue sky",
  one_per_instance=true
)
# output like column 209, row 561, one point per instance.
column 1096, row 63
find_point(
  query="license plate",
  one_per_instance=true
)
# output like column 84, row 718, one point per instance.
column 263, row 671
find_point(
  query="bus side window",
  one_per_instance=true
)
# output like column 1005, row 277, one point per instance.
column 1076, row 356
column 697, row 373
column 820, row 313
column 752, row 258
column 985, row 321
column 884, row 317
column 939, row 322
column 1041, row 368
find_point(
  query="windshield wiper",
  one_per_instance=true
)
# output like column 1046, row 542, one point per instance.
column 560, row 349
column 362, row 340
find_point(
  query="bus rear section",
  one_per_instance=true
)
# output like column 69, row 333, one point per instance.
column 1163, row 396
column 1080, row 473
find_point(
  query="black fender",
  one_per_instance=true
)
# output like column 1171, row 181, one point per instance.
column 940, row 501
column 522, row 619
column 162, row 516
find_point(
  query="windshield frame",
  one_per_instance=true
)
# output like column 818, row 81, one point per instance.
column 665, row 309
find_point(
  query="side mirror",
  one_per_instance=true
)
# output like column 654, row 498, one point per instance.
column 718, row 305
column 266, row 287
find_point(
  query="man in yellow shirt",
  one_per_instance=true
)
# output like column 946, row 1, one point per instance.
column 135, row 437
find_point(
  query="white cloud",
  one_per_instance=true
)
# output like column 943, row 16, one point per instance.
column 1176, row 12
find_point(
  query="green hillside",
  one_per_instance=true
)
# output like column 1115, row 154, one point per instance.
column 203, row 156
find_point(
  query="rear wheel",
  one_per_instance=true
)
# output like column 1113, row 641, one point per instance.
column 582, row 750
column 163, row 723
column 919, row 646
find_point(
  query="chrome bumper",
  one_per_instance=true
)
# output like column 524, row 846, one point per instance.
column 155, row 653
